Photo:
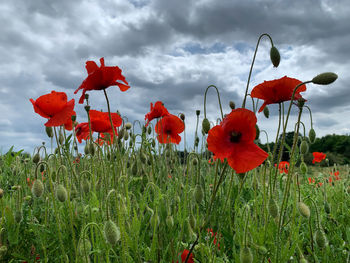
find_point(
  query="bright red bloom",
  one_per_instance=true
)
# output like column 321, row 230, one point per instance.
column 168, row 129
column 311, row 180
column 82, row 131
column 100, row 121
column 210, row 230
column 69, row 124
column 278, row 90
column 157, row 111
column 55, row 107
column 234, row 139
column 318, row 157
column 184, row 255
column 283, row 167
column 102, row 77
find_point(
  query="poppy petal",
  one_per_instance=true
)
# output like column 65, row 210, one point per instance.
column 61, row 117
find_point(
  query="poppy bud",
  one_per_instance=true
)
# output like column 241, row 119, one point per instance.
column 74, row 118
column 312, row 135
column 275, row 56
column 257, row 135
column 49, row 131
column 130, row 143
column 36, row 158
column 87, row 149
column 153, row 143
column 198, row 194
column 149, row 130
column 325, row 78
column 85, row 186
column 87, row 108
column 266, row 112
column 273, row 208
column 194, row 161
column 3, row 251
column 92, row 149
column 206, row 125
column 198, row 112
column 304, row 210
column 182, row 117
column 18, row 216
column 320, row 238
column 303, row 168
column 246, row 255
column 111, row 232
column 301, row 102
column 1, row 192
column 126, row 136
column 169, row 221
column 60, row 138
column 196, row 142
column 304, row 147
column 303, row 260
column 86, row 96
column 61, row 193
column 327, row 208
column 121, row 133
column 128, row 126
column 37, row 188
column 232, row 105
column 84, row 246
column 144, row 129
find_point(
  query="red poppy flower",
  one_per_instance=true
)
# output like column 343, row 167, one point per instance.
column 318, row 157
column 54, row 106
column 102, row 77
column 184, row 255
column 278, row 90
column 69, row 124
column 234, row 139
column 157, row 111
column 210, row 230
column 100, row 121
column 311, row 181
column 82, row 131
column 283, row 167
column 168, row 129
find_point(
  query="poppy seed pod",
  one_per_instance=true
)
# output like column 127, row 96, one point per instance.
column 312, row 135
column 61, row 193
column 49, row 131
column 325, row 78
column 273, row 208
column 111, row 232
column 37, row 188
column 320, row 238
column 275, row 56
column 304, row 210
column 304, row 147
column 198, row 112
column 266, row 112
column 36, row 158
column 246, row 255
column 206, row 125
column 232, row 105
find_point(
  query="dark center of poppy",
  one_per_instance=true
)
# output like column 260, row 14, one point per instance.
column 235, row 136
column 168, row 132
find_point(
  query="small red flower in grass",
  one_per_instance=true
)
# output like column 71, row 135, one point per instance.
column 234, row 138
column 283, row 167
column 82, row 131
column 311, row 180
column 318, row 157
column 215, row 241
column 168, row 129
column 184, row 255
column 55, row 107
column 100, row 78
column 157, row 111
column 278, row 90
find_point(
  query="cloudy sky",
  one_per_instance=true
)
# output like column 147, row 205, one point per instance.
column 169, row 51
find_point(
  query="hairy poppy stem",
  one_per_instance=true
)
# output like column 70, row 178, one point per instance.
column 205, row 101
column 251, row 67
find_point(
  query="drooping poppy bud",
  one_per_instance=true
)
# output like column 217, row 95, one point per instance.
column 84, row 245
column 304, row 210
column 266, row 112
column 325, row 78
column 304, row 147
column 111, row 232
column 49, row 131
column 36, row 158
column 37, row 188
column 198, row 194
column 273, row 208
column 312, row 135
column 320, row 238
column 232, row 105
column 206, row 125
column 61, row 193
column 246, row 255
column 275, row 56
column 303, row 168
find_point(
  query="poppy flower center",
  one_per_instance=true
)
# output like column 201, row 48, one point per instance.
column 235, row 136
column 168, row 132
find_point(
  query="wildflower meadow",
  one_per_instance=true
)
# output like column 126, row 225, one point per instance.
column 152, row 196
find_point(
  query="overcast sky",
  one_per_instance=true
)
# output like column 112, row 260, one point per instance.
column 169, row 51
